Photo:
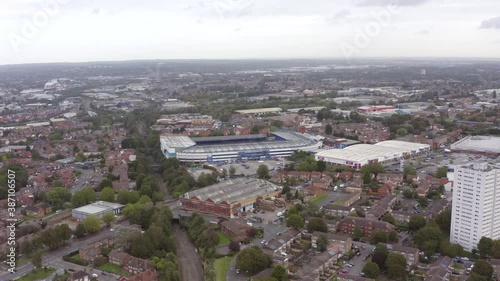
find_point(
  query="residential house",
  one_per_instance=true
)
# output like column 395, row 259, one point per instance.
column 38, row 211
column 337, row 211
column 79, row 276
column 349, row 199
column 411, row 254
column 331, row 224
column 91, row 251
column 236, row 229
column 131, row 264
column 349, row 277
column 283, row 242
column 381, row 207
column 401, row 216
column 424, row 188
column 436, row 208
column 393, row 178
column 319, row 268
column 348, row 224
column 148, row 275
column 440, row 270
column 342, row 242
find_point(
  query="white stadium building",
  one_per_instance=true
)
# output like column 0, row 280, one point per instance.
column 361, row 154
column 236, row 148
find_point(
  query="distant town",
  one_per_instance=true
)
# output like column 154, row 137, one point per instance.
column 264, row 170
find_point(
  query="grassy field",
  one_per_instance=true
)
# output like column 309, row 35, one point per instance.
column 221, row 265
column 223, row 238
column 37, row 274
column 109, row 267
column 317, row 199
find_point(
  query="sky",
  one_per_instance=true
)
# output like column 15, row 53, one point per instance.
column 34, row 31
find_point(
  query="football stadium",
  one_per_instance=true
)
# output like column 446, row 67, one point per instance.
column 236, row 148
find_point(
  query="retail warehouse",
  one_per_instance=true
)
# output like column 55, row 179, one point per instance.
column 228, row 197
column 361, row 154
column 98, row 209
column 233, row 148
column 486, row 145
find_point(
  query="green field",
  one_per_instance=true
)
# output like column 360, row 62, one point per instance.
column 37, row 274
column 223, row 238
column 317, row 199
column 221, row 265
column 109, row 267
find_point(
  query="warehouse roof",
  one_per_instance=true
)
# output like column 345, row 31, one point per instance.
column 403, row 145
column 259, row 110
column 478, row 143
column 99, row 206
column 234, row 190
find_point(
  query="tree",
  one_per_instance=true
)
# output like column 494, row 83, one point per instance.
column 107, row 194
column 328, row 129
column 80, row 230
column 263, row 171
column 416, row 222
column 442, row 172
column 378, row 237
column 92, row 224
column 58, row 196
column 409, row 193
column 234, row 246
column 104, row 183
column 371, row 270
column 389, row 218
column 108, row 218
column 279, row 273
column 320, row 166
column 83, row 197
column 392, row 236
column 322, row 243
column 427, row 234
column 483, row 269
column 252, row 259
column 358, row 233
column 485, row 246
column 36, row 258
column 224, row 173
column 317, row 224
column 409, row 170
column 396, row 266
column 295, row 221
column 232, row 170
column 367, row 178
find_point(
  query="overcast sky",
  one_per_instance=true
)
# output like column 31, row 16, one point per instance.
column 94, row 30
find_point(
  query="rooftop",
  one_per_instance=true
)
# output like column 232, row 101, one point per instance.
column 259, row 110
column 234, row 190
column 478, row 143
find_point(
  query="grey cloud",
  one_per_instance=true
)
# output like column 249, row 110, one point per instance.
column 390, row 2
column 338, row 16
column 493, row 23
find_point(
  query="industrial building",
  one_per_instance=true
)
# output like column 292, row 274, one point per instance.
column 229, row 197
column 98, row 209
column 259, row 111
column 234, row 148
column 486, row 145
column 361, row 154
column 476, row 204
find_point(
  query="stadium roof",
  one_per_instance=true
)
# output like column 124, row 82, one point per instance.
column 478, row 143
column 228, row 138
column 234, row 190
column 259, row 110
column 177, row 141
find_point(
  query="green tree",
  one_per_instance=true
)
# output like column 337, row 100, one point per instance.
column 263, row 171
column 37, row 258
column 252, row 259
column 409, row 193
column 401, row 132
column 358, row 233
column 80, row 230
column 92, row 224
column 392, row 237
column 108, row 218
column 371, row 270
column 442, row 172
column 104, row 183
column 320, row 166
column 322, row 243
column 295, row 221
column 328, row 129
column 58, row 196
column 83, row 197
column 232, row 170
column 317, row 224
column 495, row 251
column 409, row 170
column 389, row 218
column 485, row 246
column 107, row 194
column 483, row 268
column 396, row 266
column 279, row 273
column 416, row 222
column 427, row 236
column 378, row 237
column 367, row 178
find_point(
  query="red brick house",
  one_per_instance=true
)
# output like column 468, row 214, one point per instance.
column 38, row 211
column 148, row 275
column 348, row 224
column 130, row 264
column 236, row 229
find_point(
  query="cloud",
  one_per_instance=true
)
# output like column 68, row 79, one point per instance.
column 493, row 23
column 343, row 14
column 423, row 32
column 96, row 11
column 390, row 2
